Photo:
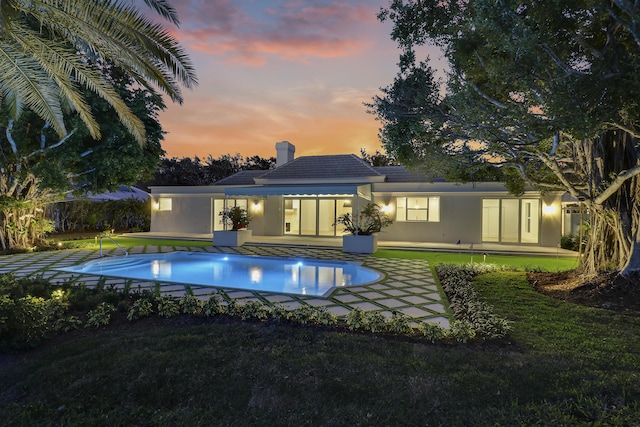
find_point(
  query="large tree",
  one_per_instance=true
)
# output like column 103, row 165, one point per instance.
column 51, row 50
column 92, row 66
column 38, row 167
column 546, row 90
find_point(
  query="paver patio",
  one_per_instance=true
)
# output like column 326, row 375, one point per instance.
column 407, row 286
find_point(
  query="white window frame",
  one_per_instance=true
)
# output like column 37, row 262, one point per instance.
column 428, row 205
column 165, row 204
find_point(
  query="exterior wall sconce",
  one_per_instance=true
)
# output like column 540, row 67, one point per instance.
column 256, row 206
column 549, row 210
column 387, row 208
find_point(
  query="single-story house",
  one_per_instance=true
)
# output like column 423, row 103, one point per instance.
column 303, row 197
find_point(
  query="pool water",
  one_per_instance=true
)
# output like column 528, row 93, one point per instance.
column 269, row 274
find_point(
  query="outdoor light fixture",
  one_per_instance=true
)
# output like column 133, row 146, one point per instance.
column 548, row 209
column 387, row 208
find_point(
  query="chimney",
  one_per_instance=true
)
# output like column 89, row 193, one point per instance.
column 284, row 152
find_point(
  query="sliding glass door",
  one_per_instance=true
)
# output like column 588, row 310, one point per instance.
column 510, row 220
column 313, row 216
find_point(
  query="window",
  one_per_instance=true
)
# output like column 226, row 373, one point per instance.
column 418, row 209
column 164, row 203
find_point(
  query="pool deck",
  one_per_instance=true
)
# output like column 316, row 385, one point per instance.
column 408, row 285
column 336, row 243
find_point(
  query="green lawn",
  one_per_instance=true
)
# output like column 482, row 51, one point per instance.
column 517, row 262
column 562, row 365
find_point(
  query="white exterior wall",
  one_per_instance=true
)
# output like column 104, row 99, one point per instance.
column 460, row 212
column 188, row 214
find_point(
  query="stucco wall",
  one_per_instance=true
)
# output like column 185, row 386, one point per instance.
column 188, row 214
column 460, row 219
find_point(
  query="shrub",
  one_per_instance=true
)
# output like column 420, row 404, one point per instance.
column 399, row 324
column 570, row 242
column 325, row 317
column 190, row 304
column 167, row 306
column 23, row 321
column 253, row 310
column 461, row 331
column 432, row 331
column 376, row 322
column 57, row 319
column 139, row 309
column 213, row 306
column 475, row 317
column 280, row 313
column 303, row 314
column 356, row 319
column 99, row 316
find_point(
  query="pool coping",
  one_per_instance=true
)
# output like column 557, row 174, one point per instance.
column 409, row 286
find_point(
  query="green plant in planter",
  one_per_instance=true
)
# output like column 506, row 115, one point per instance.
column 371, row 220
column 235, row 217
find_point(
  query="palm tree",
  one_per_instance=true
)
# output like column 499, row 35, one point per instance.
column 51, row 49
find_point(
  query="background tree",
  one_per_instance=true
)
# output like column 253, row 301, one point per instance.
column 187, row 171
column 545, row 91
column 377, row 159
column 52, row 50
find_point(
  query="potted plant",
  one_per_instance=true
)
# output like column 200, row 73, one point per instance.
column 362, row 238
column 236, row 221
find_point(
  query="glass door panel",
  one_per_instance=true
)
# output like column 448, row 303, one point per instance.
column 491, row 220
column 292, row 216
column 308, row 217
column 530, row 220
column 343, row 206
column 510, row 220
column 326, row 217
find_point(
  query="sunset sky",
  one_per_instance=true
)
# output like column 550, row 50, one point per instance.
column 274, row 70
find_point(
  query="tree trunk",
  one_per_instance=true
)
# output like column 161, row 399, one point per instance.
column 22, row 218
column 614, row 240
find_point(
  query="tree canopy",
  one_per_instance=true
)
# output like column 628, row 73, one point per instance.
column 37, row 167
column 53, row 50
column 544, row 90
column 188, row 171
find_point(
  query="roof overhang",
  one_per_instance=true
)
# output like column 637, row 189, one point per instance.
column 347, row 190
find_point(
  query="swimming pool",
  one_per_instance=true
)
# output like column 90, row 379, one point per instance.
column 269, row 274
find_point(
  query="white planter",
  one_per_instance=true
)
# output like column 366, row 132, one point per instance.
column 231, row 237
column 359, row 244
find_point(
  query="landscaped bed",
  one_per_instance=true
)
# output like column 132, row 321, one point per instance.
column 560, row 364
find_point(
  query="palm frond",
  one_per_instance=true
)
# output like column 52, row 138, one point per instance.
column 164, row 9
column 103, row 30
column 23, row 83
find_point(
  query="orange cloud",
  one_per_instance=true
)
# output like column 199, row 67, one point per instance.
column 217, row 129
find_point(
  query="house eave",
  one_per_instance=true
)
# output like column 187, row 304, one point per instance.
column 320, row 181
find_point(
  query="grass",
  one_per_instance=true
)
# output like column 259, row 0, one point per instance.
column 562, row 365
column 516, row 262
column 129, row 242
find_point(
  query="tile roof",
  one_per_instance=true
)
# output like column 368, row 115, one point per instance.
column 318, row 167
column 241, row 178
column 402, row 174
column 342, row 166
